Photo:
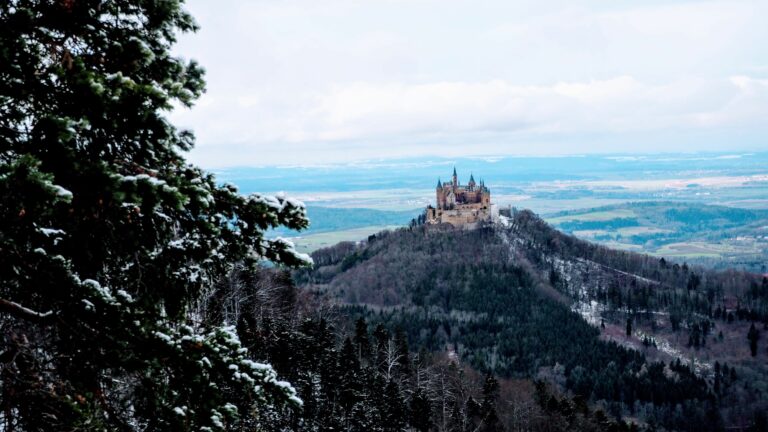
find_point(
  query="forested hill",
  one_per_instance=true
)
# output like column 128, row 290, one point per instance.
column 517, row 299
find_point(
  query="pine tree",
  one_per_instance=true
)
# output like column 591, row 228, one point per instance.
column 401, row 342
column 109, row 237
column 394, row 411
column 474, row 412
column 362, row 341
column 349, row 367
column 420, row 411
column 488, row 406
column 753, row 335
column 360, row 418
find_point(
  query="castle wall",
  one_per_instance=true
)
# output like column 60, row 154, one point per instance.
column 459, row 216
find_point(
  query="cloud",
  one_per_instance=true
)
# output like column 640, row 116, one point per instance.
column 375, row 111
column 339, row 80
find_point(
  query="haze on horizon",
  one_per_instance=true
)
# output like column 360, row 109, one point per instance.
column 300, row 81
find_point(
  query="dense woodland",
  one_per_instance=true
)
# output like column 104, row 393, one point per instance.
column 499, row 297
column 641, row 282
column 354, row 375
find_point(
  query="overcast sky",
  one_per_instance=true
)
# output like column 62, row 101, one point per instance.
column 319, row 81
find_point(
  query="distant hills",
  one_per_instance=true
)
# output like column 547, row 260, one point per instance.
column 716, row 236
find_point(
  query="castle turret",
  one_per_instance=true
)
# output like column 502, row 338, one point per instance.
column 471, row 183
column 455, row 178
column 439, row 184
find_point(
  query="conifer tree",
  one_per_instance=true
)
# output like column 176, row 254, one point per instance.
column 753, row 335
column 394, row 412
column 401, row 341
column 488, row 405
column 420, row 411
column 349, row 368
column 362, row 341
column 109, row 237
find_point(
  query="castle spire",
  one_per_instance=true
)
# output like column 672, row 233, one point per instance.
column 455, row 177
column 439, row 183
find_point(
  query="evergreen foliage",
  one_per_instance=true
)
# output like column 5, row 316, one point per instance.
column 109, row 238
column 753, row 336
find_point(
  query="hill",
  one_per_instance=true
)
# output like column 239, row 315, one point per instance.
column 526, row 301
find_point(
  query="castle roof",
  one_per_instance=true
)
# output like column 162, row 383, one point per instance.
column 471, row 178
column 454, row 170
column 439, row 183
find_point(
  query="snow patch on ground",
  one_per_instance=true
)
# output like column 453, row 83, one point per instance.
column 590, row 311
column 663, row 345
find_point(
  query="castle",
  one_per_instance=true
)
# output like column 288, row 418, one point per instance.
column 461, row 205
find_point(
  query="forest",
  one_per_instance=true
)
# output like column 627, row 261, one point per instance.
column 500, row 297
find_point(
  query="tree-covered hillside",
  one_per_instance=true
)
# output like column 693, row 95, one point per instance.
column 503, row 299
column 355, row 372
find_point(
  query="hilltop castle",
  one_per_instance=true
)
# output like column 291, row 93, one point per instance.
column 461, row 205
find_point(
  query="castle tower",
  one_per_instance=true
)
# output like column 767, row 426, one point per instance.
column 471, row 183
column 440, row 195
column 455, row 178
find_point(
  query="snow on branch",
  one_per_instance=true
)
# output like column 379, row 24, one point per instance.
column 23, row 312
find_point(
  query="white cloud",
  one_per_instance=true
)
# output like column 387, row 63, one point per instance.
column 361, row 111
column 342, row 80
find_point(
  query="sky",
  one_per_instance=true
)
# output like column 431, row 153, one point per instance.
column 302, row 82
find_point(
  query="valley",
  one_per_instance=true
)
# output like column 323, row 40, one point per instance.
column 545, row 185
column 711, row 235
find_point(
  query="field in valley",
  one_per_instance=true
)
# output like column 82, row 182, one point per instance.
column 708, row 234
column 312, row 242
